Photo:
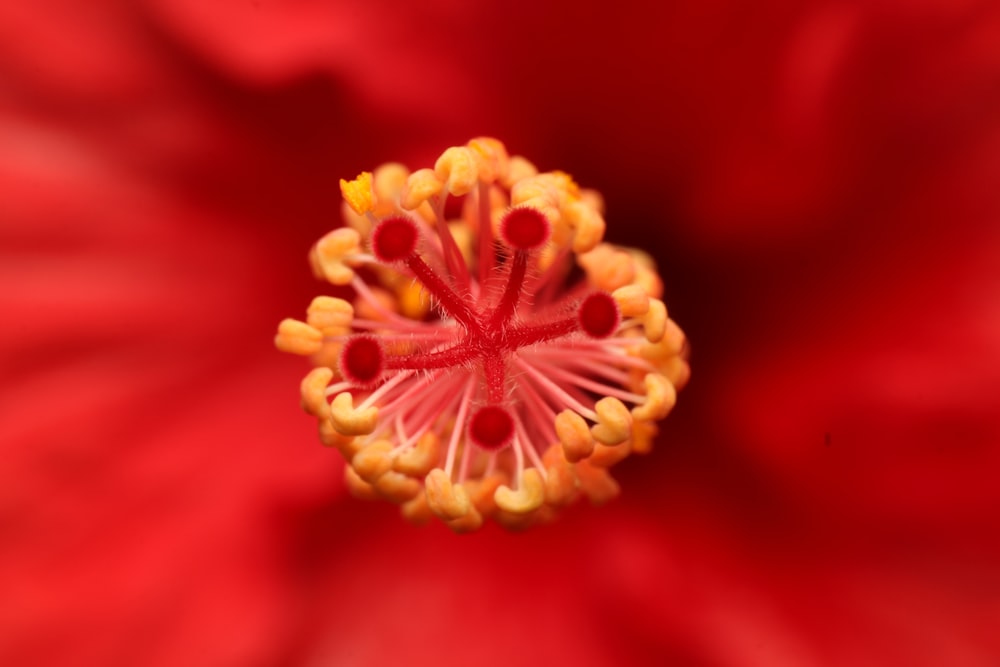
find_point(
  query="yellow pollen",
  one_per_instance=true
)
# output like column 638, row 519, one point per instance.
column 458, row 170
column 660, row 399
column 447, row 500
column 577, row 441
column 614, row 423
column 313, row 389
column 297, row 337
column 373, row 461
column 527, row 498
column 655, row 321
column 358, row 193
column 420, row 186
column 349, row 420
column 397, row 488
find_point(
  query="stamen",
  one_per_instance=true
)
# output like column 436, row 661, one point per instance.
column 461, row 350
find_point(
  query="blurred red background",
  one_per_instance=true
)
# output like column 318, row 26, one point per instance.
column 817, row 180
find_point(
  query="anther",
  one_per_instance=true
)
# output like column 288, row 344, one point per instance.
column 358, row 193
column 468, row 523
column 598, row 315
column 373, row 461
column 418, row 460
column 491, row 427
column 482, row 490
column 397, row 488
column 575, row 436
column 632, row 300
column 313, row 390
column 529, row 496
column 330, row 254
column 660, row 398
column 416, row 510
column 297, row 337
column 605, row 456
column 598, row 485
column 560, row 479
column 420, row 186
column 614, row 425
column 358, row 487
column 350, row 421
column 347, row 445
column 332, row 317
column 447, row 500
column 587, row 224
column 655, row 321
column 492, row 161
column 457, row 168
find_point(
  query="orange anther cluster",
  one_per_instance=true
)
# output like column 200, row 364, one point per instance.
column 464, row 379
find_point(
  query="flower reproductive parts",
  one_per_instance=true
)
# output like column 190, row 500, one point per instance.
column 489, row 355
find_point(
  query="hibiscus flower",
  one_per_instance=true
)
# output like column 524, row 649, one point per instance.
column 815, row 181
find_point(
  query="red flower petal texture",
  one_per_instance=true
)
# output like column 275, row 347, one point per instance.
column 816, row 181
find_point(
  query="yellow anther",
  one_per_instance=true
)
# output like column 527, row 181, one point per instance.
column 598, row 485
column 529, row 496
column 331, row 316
column 520, row 169
column 533, row 191
column 388, row 183
column 614, row 422
column 646, row 275
column 575, row 436
column 420, row 186
column 417, row 461
column 593, row 199
column 457, row 168
column 313, row 390
column 385, row 300
column 643, row 434
column 347, row 445
column 605, row 456
column 350, row 421
column 482, row 490
column 632, row 300
column 674, row 339
column 417, row 511
column 397, row 488
column 607, row 268
column 330, row 253
column 469, row 523
column 654, row 323
column 588, row 224
column 492, row 160
column 373, row 461
column 358, row 487
column 447, row 500
column 414, row 300
column 297, row 337
column 678, row 372
column 358, row 193
column 660, row 398
column 560, row 479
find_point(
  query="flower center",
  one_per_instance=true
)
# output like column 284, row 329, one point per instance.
column 492, row 332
